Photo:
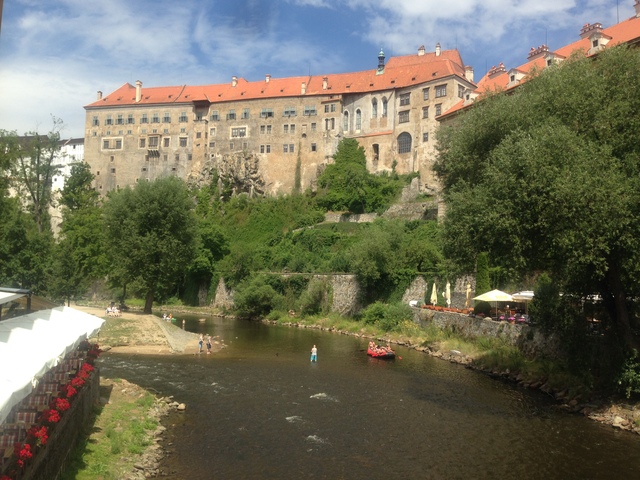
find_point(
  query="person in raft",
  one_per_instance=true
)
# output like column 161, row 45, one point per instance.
column 314, row 354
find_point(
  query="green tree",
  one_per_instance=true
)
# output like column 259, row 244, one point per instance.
column 32, row 167
column 151, row 234
column 547, row 179
column 80, row 256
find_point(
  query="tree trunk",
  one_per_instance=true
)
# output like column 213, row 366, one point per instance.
column 621, row 313
column 148, row 304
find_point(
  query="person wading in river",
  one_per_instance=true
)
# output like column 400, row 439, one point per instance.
column 314, row 354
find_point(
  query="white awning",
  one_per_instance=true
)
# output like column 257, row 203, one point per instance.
column 32, row 344
column 6, row 297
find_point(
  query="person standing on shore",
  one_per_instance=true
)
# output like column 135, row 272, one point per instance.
column 314, row 354
column 208, row 344
column 200, row 342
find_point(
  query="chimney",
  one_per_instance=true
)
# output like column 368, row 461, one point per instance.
column 637, row 7
column 267, row 78
column 138, row 91
column 438, row 49
column 421, row 51
column 99, row 95
column 468, row 73
column 303, row 89
column 234, row 81
column 590, row 28
column 325, row 83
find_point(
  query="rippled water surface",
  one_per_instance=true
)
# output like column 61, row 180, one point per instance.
column 260, row 409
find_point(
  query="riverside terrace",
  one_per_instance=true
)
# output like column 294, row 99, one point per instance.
column 47, row 395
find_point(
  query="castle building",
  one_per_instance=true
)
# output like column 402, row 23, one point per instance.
column 276, row 135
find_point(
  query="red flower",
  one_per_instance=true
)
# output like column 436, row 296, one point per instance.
column 22, row 453
column 62, row 404
column 77, row 382
column 38, row 434
column 86, row 368
column 51, row 416
column 70, row 391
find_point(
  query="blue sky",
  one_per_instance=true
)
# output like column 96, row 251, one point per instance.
column 55, row 55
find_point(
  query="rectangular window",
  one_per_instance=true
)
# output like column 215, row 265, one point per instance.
column 261, row 148
column 441, row 91
column 96, row 122
column 190, row 157
column 153, row 142
column 109, row 120
column 212, row 144
column 166, row 118
column 403, row 117
column 285, row 148
column 183, row 117
column 198, row 134
column 143, row 142
column 144, row 118
column 231, row 146
column 310, row 110
column 177, row 157
column 333, row 107
column 438, row 109
column 405, row 99
column 165, row 141
column 245, row 113
column 144, row 169
column 313, row 127
column 313, row 147
column 215, row 116
column 183, row 141
column 425, row 137
column 263, row 129
column 130, row 120
column 155, row 118
column 292, row 128
column 113, row 170
column 231, row 115
column 291, row 148
column 105, row 144
column 268, row 129
column 425, row 112
column 268, row 148
column 239, row 132
column 118, row 144
column 266, row 113
column 165, row 157
column 425, row 93
column 245, row 145
column 461, row 90
column 119, row 119
column 326, row 108
column 289, row 112
column 286, row 128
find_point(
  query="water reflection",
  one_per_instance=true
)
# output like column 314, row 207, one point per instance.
column 260, row 409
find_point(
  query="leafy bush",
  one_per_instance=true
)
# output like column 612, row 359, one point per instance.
column 312, row 301
column 387, row 317
column 629, row 379
column 255, row 298
column 483, row 308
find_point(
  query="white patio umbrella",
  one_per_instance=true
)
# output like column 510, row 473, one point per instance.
column 525, row 297
column 494, row 296
column 434, row 294
column 447, row 294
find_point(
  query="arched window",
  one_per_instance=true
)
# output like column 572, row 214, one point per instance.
column 404, row 143
column 384, row 107
column 374, row 108
column 345, row 126
column 358, row 119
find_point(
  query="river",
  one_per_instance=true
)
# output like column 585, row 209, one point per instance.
column 260, row 410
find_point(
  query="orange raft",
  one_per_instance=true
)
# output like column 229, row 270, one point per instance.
column 381, row 353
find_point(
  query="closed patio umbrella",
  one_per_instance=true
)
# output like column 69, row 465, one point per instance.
column 434, row 294
column 447, row 294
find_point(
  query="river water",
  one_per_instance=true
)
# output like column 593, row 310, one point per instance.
column 260, row 410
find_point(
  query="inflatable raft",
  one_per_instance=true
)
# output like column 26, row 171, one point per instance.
column 381, row 353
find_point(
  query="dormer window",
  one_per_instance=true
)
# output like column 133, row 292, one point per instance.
column 512, row 78
column 595, row 43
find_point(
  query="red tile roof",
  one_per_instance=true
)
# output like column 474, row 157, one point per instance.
column 400, row 72
column 627, row 31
